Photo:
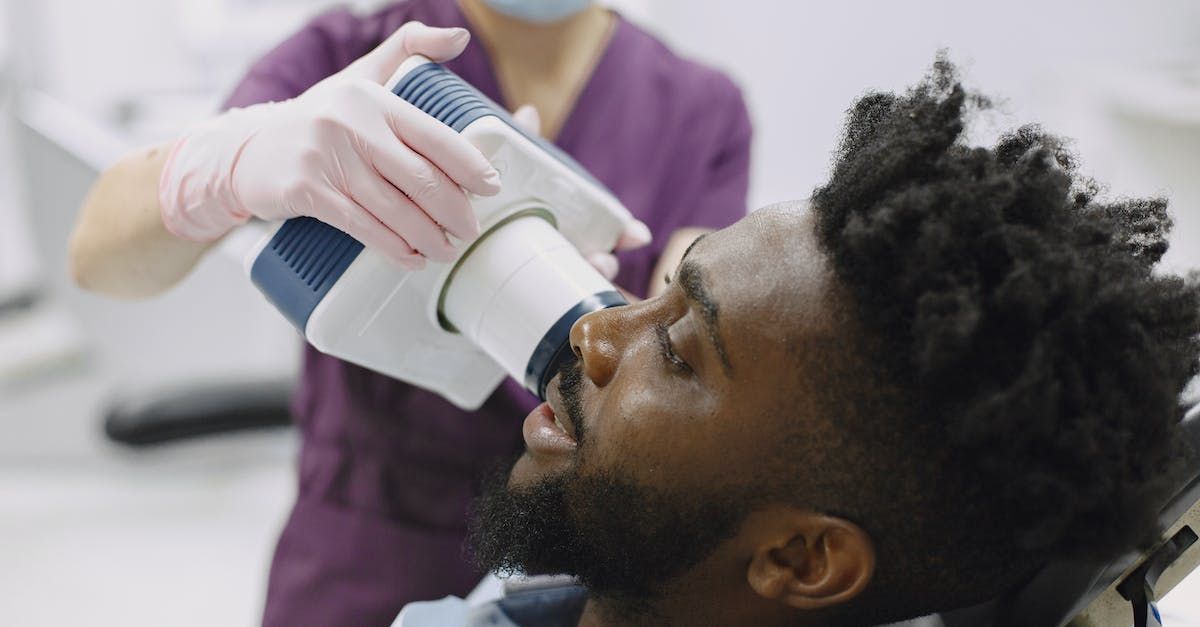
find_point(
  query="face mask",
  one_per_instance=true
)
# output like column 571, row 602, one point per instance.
column 540, row 11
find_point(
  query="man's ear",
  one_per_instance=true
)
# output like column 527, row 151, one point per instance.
column 812, row 561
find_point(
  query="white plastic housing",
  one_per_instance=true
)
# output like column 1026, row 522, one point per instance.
column 514, row 286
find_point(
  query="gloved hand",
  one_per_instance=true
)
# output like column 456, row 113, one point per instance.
column 636, row 233
column 347, row 152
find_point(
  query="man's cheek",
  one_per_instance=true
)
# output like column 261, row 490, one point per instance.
column 652, row 457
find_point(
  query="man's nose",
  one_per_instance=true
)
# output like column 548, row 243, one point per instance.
column 594, row 338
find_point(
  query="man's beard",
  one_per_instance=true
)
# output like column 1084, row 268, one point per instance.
column 623, row 540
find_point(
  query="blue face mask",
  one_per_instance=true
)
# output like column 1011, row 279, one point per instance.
column 540, row 11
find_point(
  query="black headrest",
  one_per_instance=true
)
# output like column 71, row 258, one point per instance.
column 1062, row 589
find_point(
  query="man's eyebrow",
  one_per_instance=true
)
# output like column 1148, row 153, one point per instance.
column 691, row 246
column 691, row 281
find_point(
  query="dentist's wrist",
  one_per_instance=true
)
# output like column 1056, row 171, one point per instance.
column 197, row 194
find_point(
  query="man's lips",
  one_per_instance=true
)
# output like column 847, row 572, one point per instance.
column 548, row 429
column 554, row 400
column 544, row 435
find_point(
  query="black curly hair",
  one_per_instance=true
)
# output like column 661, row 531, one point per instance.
column 1038, row 358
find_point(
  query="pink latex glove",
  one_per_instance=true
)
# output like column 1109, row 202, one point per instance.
column 636, row 233
column 347, row 152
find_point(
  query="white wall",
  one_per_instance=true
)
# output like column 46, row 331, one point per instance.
column 1058, row 62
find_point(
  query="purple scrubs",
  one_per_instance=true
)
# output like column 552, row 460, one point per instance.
column 387, row 471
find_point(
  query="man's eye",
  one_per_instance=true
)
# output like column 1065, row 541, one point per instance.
column 668, row 351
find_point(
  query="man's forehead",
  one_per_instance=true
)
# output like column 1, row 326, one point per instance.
column 783, row 228
column 766, row 272
column 769, row 249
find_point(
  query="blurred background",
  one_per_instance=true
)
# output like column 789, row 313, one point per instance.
column 99, row 534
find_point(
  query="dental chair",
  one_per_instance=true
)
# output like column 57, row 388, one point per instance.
column 204, row 409
column 1113, row 593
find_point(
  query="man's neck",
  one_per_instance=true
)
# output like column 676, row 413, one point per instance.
column 695, row 607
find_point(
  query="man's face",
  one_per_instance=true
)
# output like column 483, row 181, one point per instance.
column 674, row 410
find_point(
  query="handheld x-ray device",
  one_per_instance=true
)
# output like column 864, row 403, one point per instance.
column 504, row 306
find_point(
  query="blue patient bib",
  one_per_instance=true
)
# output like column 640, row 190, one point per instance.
column 552, row 602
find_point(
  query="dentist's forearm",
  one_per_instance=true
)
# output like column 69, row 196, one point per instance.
column 120, row 247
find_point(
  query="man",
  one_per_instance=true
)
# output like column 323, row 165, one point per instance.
column 951, row 366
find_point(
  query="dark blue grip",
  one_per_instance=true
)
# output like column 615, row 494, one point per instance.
column 300, row 264
column 454, row 102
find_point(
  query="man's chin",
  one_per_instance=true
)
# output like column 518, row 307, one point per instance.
column 524, row 472
column 519, row 520
column 620, row 539
column 529, row 470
